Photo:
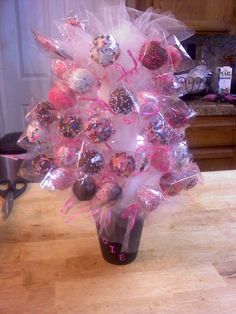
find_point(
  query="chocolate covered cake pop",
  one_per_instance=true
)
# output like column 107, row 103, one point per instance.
column 80, row 81
column 99, row 129
column 41, row 164
column 85, row 188
column 121, row 101
column 69, row 125
column 43, row 113
column 91, row 162
column 108, row 193
column 122, row 164
column 105, row 50
column 152, row 55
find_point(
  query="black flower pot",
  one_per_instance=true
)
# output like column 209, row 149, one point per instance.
column 112, row 237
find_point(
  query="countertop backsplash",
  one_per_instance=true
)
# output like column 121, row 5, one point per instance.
column 215, row 48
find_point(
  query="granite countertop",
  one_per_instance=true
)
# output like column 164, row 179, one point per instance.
column 208, row 108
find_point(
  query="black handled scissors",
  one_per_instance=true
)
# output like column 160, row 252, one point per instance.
column 10, row 191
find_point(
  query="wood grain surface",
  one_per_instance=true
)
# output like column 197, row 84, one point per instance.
column 186, row 263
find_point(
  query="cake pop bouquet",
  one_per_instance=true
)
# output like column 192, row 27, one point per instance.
column 112, row 130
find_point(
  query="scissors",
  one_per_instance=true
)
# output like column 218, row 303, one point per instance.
column 9, row 192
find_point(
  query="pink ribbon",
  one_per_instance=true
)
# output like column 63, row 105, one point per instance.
column 131, row 212
column 88, row 99
column 130, row 119
column 14, row 157
column 131, row 71
column 103, row 104
column 71, row 202
column 150, row 113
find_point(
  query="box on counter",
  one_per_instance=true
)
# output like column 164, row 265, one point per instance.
column 223, row 79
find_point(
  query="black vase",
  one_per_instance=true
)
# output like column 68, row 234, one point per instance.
column 111, row 240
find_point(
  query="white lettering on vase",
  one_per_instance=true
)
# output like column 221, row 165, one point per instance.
column 122, row 256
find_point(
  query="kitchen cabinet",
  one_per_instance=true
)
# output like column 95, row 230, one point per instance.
column 212, row 141
column 201, row 15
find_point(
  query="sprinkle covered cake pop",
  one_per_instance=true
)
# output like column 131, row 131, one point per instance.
column 170, row 184
column 61, row 68
column 91, row 162
column 42, row 163
column 44, row 113
column 80, row 81
column 67, row 156
column 159, row 132
column 69, row 126
column 122, row 164
column 99, row 129
column 105, row 50
column 149, row 198
column 108, row 193
column 121, row 101
column 61, row 178
column 152, row 55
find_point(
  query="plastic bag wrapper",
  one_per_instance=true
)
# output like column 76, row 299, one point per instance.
column 149, row 198
column 36, row 165
column 176, row 112
column 172, row 183
column 61, row 96
column 82, row 82
column 159, row 132
column 66, row 155
column 62, row 68
column 34, row 134
column 69, row 125
column 120, row 99
column 149, row 103
column 58, row 179
column 180, row 156
column 149, row 20
column 169, row 85
column 181, row 61
column 42, row 111
column 52, row 47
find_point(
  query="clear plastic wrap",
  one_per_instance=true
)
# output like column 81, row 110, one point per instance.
column 112, row 129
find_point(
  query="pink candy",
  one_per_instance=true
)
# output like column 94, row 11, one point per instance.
column 61, row 96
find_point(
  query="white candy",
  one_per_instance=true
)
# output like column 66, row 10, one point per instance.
column 80, row 81
column 106, row 50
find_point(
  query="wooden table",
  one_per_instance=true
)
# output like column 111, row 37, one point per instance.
column 186, row 263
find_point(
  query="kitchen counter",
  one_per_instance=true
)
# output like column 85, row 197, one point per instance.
column 186, row 263
column 208, row 108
